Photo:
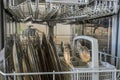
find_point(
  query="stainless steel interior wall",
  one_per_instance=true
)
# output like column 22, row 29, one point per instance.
column 118, row 44
column 114, row 37
column 1, row 25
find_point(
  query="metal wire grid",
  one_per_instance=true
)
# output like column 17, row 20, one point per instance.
column 66, row 11
column 76, row 75
column 102, row 76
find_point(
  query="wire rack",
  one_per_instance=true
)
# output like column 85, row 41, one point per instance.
column 65, row 9
column 76, row 75
column 102, row 73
